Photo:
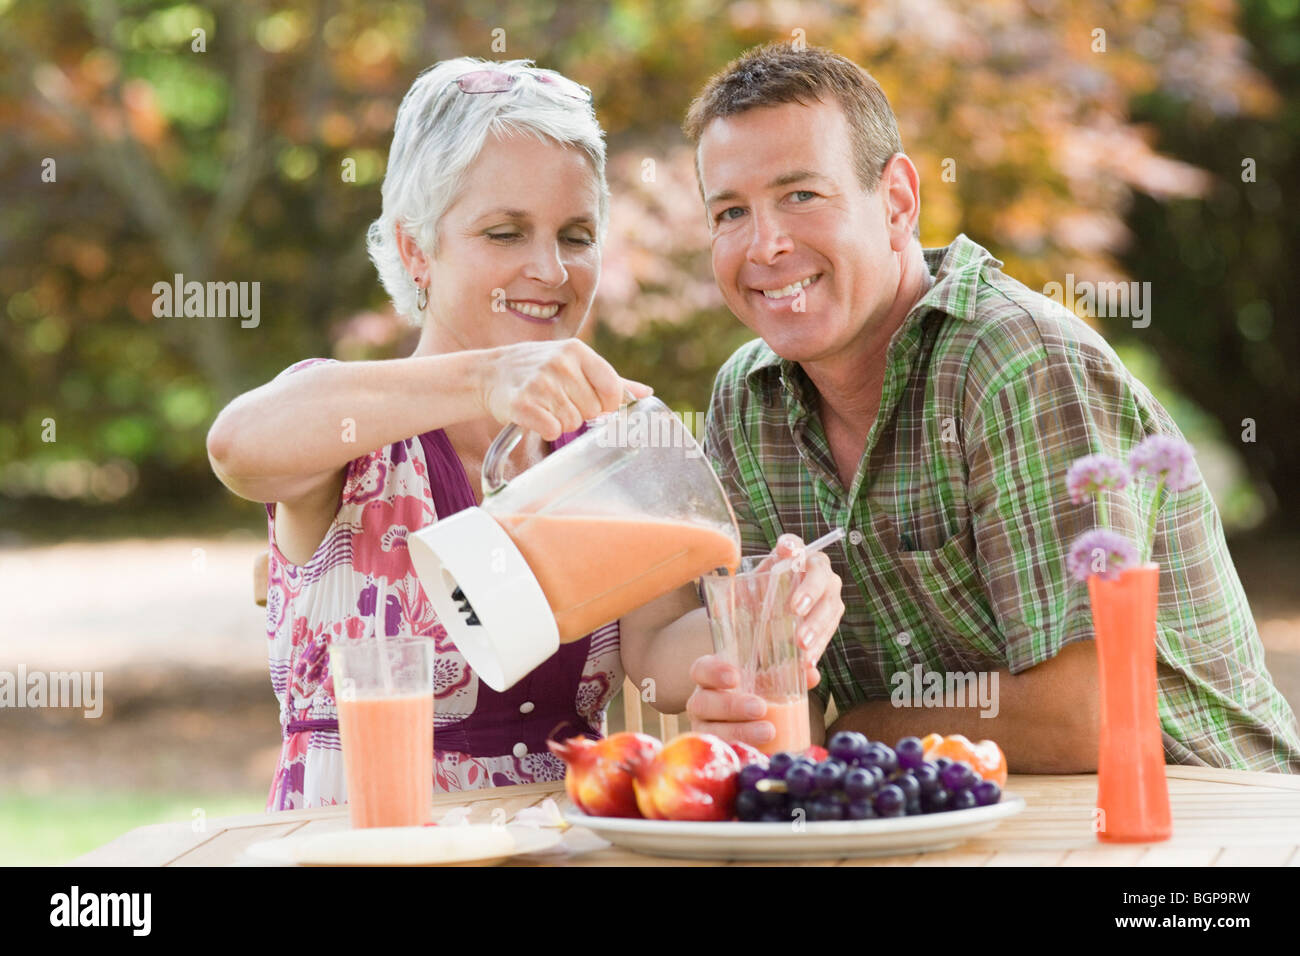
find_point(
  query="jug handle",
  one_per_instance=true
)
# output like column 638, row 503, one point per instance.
column 501, row 447
column 495, row 459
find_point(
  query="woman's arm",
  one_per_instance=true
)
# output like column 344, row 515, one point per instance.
column 660, row 641
column 288, row 438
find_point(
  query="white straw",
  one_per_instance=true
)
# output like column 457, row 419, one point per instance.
column 829, row 538
column 771, row 588
column 381, row 625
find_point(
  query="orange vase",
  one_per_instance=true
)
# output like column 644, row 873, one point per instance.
column 1132, row 793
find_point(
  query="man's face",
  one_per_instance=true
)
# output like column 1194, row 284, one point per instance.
column 801, row 253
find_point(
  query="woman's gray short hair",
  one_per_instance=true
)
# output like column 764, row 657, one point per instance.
column 439, row 133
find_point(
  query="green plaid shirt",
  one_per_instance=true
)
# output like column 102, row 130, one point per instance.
column 958, row 517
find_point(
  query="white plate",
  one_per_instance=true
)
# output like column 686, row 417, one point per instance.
column 832, row 839
column 471, row 844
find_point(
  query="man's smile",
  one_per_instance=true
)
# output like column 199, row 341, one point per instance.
column 777, row 294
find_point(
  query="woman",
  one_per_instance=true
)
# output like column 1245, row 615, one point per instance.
column 494, row 208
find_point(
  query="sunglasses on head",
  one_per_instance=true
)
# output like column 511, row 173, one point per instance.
column 499, row 81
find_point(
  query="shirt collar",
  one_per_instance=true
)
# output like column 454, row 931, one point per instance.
column 956, row 269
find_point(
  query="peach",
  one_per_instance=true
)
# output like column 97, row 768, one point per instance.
column 692, row 778
column 748, row 754
column 599, row 775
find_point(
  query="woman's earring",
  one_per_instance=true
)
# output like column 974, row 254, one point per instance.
column 421, row 297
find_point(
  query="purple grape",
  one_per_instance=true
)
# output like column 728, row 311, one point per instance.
column 942, row 762
column 860, row 810
column 986, row 793
column 825, row 807
column 888, row 760
column 937, row 801
column 860, row 782
column 910, row 786
column 958, row 776
column 750, row 775
column 927, row 775
column 963, row 800
column 882, row 758
column 910, row 753
column 779, row 764
column 772, row 799
column 914, row 808
column 800, row 780
column 829, row 774
column 878, row 774
column 773, row 816
column 748, row 805
column 890, row 801
column 848, row 746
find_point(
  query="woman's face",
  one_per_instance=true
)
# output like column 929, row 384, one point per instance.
column 517, row 257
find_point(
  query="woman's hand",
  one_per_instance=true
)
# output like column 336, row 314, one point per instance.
column 551, row 387
column 815, row 599
column 718, row 706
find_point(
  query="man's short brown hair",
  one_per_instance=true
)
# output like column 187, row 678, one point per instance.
column 779, row 73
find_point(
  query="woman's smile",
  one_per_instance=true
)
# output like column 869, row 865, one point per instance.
column 539, row 312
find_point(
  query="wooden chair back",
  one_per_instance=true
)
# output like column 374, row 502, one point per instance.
column 669, row 724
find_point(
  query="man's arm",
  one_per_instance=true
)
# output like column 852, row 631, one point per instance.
column 1036, row 398
column 1046, row 716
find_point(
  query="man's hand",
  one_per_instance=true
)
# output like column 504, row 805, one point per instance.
column 718, row 706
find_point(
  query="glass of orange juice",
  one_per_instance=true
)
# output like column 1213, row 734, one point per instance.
column 754, row 629
column 384, row 693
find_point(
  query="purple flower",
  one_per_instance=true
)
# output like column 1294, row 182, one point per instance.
column 1101, row 552
column 1091, row 473
column 1166, row 458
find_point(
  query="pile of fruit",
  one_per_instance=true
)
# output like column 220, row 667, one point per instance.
column 861, row 780
column 702, row 777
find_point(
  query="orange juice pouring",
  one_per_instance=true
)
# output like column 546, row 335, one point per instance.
column 384, row 690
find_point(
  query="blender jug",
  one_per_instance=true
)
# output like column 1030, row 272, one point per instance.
column 624, row 513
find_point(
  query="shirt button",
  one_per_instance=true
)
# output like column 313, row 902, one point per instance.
column 521, row 750
column 855, row 537
column 526, row 707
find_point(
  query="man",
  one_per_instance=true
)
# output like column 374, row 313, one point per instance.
column 931, row 405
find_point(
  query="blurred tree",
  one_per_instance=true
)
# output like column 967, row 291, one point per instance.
column 1223, row 267
column 245, row 141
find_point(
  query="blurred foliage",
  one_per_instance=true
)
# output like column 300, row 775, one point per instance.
column 225, row 164
column 51, row 829
column 1223, row 267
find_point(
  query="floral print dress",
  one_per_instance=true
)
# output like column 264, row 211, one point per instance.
column 481, row 738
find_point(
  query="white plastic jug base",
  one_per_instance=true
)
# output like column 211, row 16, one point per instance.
column 502, row 622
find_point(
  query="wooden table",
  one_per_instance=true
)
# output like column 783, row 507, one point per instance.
column 1221, row 818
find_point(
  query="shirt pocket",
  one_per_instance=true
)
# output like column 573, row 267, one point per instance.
column 946, row 585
